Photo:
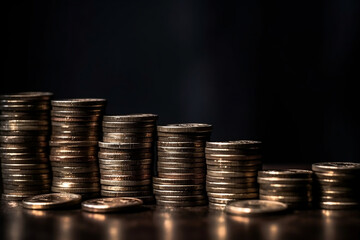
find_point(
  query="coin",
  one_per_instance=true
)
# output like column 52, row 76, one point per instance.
column 335, row 185
column 124, row 145
column 235, row 144
column 255, row 207
column 104, row 205
column 336, row 167
column 173, row 203
column 131, row 117
column 51, row 201
column 288, row 173
column 185, row 128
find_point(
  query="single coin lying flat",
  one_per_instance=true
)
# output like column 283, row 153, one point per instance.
column 255, row 207
column 105, row 205
column 52, row 201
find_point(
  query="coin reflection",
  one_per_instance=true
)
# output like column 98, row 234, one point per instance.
column 172, row 223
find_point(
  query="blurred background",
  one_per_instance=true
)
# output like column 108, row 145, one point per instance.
column 282, row 72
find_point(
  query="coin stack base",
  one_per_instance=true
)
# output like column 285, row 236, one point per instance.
column 24, row 136
column 76, row 125
column 291, row 186
column 231, row 171
column 181, row 165
column 336, row 185
column 126, row 156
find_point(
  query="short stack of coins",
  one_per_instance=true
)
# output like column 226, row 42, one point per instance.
column 337, row 185
column 126, row 156
column 290, row 186
column 232, row 169
column 76, row 129
column 181, row 167
column 24, row 136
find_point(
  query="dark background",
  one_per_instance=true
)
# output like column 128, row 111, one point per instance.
column 283, row 72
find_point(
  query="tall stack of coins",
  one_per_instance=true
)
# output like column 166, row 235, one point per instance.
column 24, row 136
column 337, row 185
column 76, row 129
column 181, row 165
column 231, row 171
column 291, row 186
column 126, row 156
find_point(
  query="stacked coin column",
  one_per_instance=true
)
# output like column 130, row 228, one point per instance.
column 337, row 185
column 126, row 156
column 232, row 171
column 76, row 129
column 291, row 186
column 181, row 165
column 25, row 130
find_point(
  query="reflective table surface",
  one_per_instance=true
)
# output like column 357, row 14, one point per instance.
column 152, row 222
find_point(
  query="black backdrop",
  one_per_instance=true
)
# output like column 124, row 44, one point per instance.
column 283, row 72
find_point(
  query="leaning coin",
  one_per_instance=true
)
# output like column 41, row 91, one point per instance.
column 255, row 207
column 103, row 205
column 52, row 201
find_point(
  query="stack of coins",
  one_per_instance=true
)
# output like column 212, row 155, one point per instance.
column 181, row 165
column 76, row 129
column 126, row 156
column 336, row 185
column 231, row 171
column 24, row 136
column 290, row 186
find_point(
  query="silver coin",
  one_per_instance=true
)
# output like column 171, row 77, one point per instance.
column 181, row 154
column 125, row 182
column 233, row 180
column 262, row 180
column 129, row 125
column 184, row 193
column 80, row 102
column 233, row 195
column 231, row 190
column 288, row 173
column 130, row 188
column 131, row 118
column 255, row 207
column 230, row 163
column 183, row 187
column 185, row 128
column 51, row 201
column 103, row 205
column 221, row 173
column 128, row 130
column 170, row 164
column 172, row 181
column 180, row 149
column 171, row 203
column 124, row 145
column 183, row 176
column 235, row 144
column 232, row 157
column 128, row 139
column 232, row 151
column 336, row 167
column 131, row 162
column 180, row 160
column 192, row 144
column 174, row 170
column 74, row 190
